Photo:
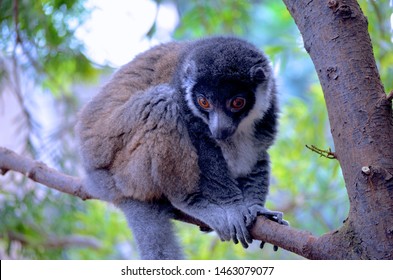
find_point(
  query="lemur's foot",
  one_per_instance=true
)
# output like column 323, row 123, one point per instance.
column 275, row 247
column 275, row 216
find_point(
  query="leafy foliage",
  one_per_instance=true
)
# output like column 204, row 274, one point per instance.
column 380, row 19
column 38, row 41
column 212, row 17
column 40, row 53
column 42, row 35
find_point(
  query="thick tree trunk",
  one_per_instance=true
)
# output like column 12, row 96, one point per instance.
column 336, row 37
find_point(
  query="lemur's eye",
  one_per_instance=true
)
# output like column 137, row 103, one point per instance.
column 203, row 102
column 238, row 103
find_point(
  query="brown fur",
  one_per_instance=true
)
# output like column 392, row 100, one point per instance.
column 132, row 130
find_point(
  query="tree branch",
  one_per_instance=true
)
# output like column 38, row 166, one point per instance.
column 299, row 242
column 335, row 35
column 56, row 242
column 40, row 173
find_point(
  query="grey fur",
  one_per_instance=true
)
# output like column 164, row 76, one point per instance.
column 148, row 147
column 152, row 228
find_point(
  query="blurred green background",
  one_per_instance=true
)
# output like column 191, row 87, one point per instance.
column 39, row 50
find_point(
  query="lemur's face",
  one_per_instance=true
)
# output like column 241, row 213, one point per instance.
column 224, row 103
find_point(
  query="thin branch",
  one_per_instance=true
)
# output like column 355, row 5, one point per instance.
column 56, row 242
column 16, row 81
column 16, row 20
column 39, row 172
column 323, row 153
column 27, row 50
column 297, row 241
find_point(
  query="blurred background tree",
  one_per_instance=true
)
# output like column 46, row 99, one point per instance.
column 46, row 69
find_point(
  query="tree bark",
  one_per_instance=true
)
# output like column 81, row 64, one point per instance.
column 335, row 36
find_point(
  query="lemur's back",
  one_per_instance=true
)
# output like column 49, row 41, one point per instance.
column 98, row 117
column 132, row 131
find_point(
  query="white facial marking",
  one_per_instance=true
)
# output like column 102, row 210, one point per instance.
column 263, row 96
column 188, row 84
column 213, row 123
column 241, row 150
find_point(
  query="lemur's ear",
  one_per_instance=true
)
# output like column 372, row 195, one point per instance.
column 257, row 73
column 189, row 72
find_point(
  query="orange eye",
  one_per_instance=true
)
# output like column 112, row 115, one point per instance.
column 238, row 103
column 203, row 102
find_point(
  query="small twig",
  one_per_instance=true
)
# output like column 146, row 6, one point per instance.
column 323, row 153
